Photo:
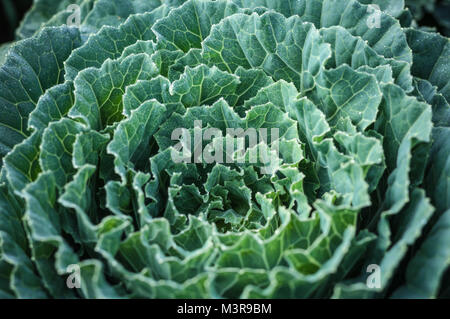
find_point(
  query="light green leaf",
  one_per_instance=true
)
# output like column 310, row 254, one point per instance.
column 269, row 42
column 187, row 26
column 202, row 85
column 98, row 92
column 402, row 117
column 22, row 165
column 343, row 92
column 113, row 13
column 130, row 144
column 394, row 8
column 389, row 40
column 110, row 42
column 56, row 150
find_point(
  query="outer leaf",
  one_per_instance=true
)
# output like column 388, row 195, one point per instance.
column 425, row 91
column 438, row 179
column 21, row 165
column 33, row 66
column 110, row 42
column 108, row 13
column 431, row 54
column 57, row 147
column 428, row 265
column 394, row 8
column 388, row 40
column 402, row 118
column 39, row 14
column 52, row 106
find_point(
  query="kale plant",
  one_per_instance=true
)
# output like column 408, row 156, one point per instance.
column 353, row 100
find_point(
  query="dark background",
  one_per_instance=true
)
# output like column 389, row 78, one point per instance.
column 12, row 12
column 442, row 10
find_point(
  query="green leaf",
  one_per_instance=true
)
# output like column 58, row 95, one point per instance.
column 78, row 196
column 22, row 165
column 411, row 221
column 88, row 148
column 49, row 250
column 32, row 66
column 107, row 13
column 93, row 282
column 429, row 263
column 52, row 106
column 110, row 42
column 394, row 8
column 431, row 53
column 366, row 150
column 425, row 91
column 202, row 85
column 56, row 150
column 389, row 40
column 312, row 124
column 354, row 51
column 269, row 42
column 344, row 92
column 402, row 117
column 130, row 144
column 98, row 92
column 343, row 112
column 342, row 174
column 39, row 14
column 4, row 50
column 437, row 181
column 146, row 90
column 192, row 58
column 187, row 26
